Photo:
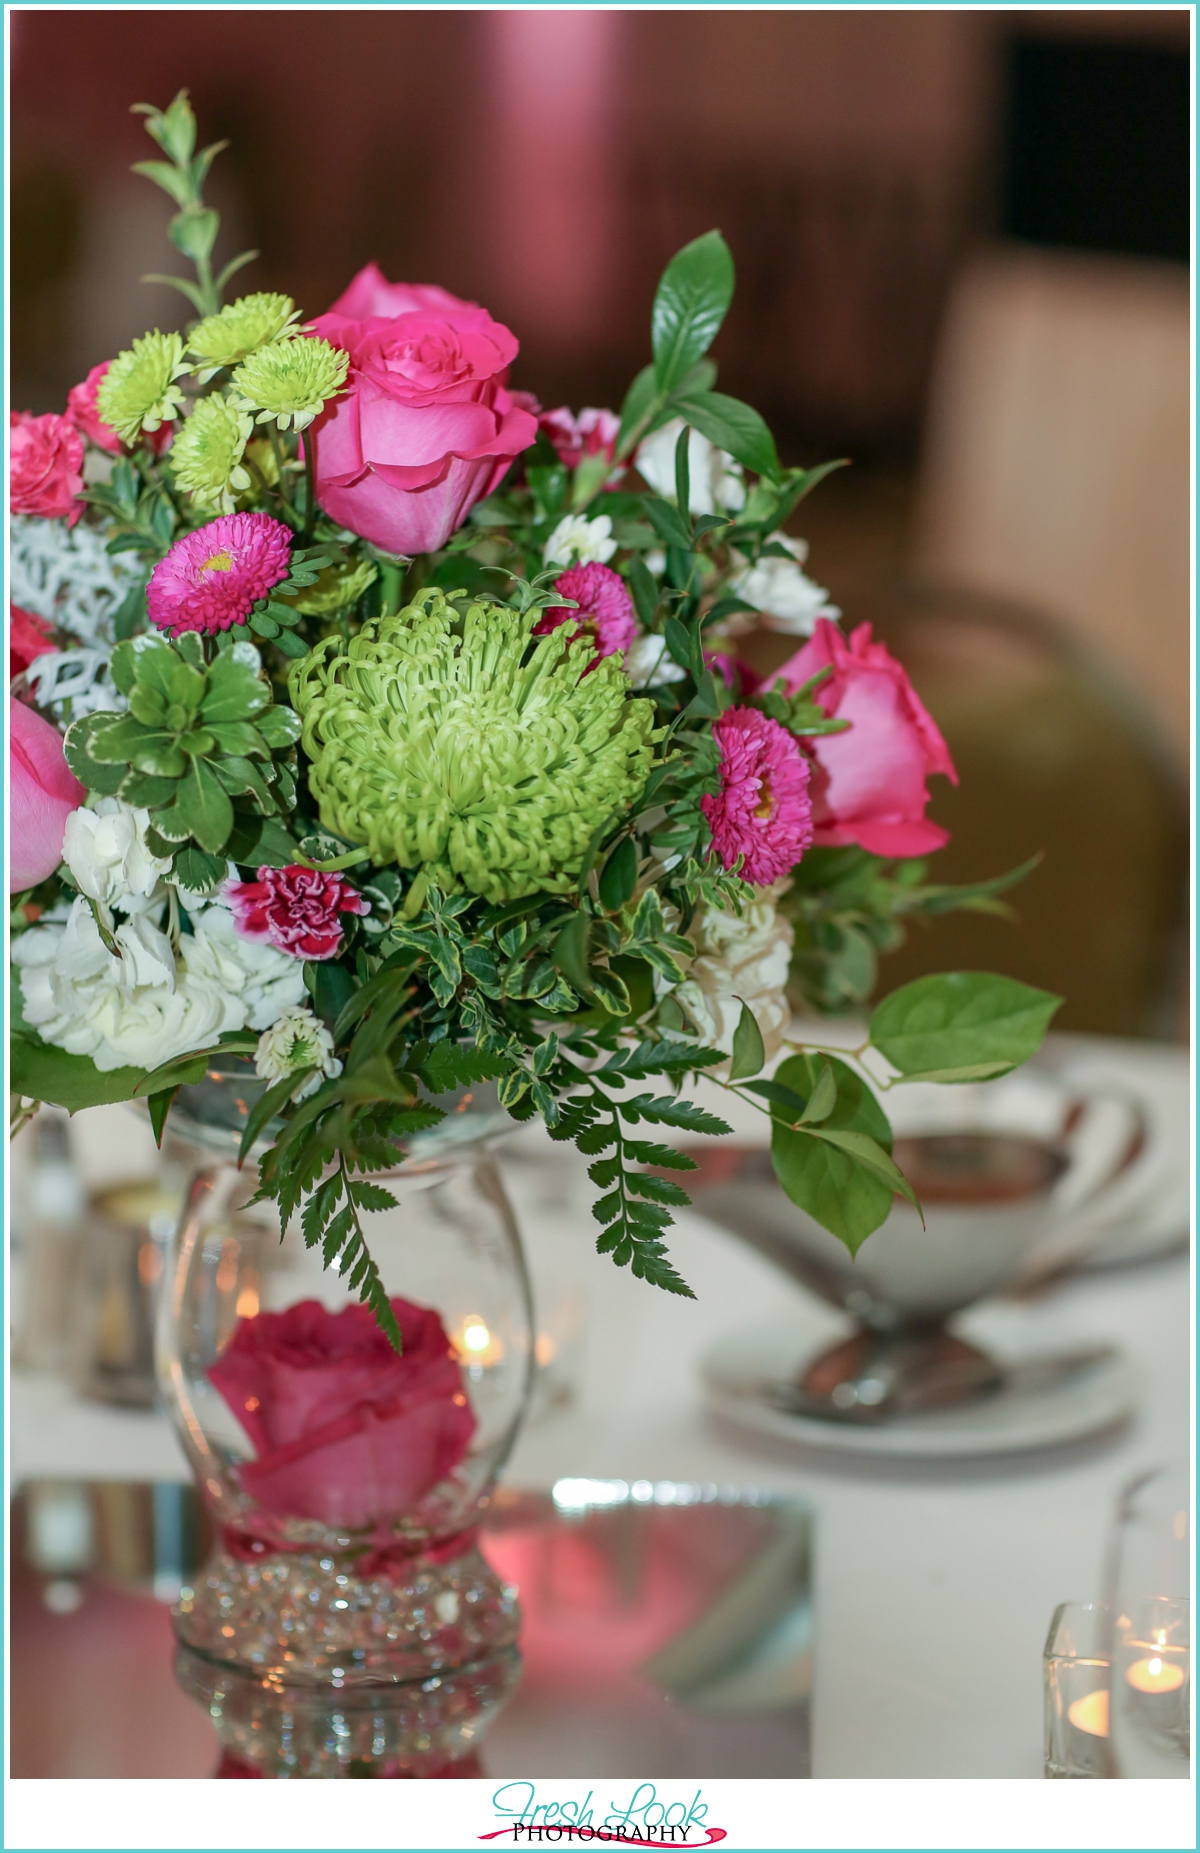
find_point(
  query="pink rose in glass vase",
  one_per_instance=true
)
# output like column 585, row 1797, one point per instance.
column 426, row 425
column 42, row 793
column 346, row 1431
column 868, row 782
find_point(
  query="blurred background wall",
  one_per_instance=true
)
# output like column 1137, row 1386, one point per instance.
column 962, row 240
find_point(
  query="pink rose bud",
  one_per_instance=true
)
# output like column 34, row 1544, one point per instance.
column 345, row 1431
column 426, row 426
column 593, row 434
column 45, row 466
column 42, row 793
column 869, row 781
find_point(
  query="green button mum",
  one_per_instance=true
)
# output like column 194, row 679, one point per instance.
column 465, row 746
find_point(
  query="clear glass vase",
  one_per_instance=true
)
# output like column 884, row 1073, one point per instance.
column 345, row 1483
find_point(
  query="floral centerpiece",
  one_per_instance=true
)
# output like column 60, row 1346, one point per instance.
column 376, row 728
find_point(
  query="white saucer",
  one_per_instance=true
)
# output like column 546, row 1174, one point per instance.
column 736, row 1368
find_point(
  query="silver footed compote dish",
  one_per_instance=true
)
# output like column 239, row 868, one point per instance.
column 1012, row 1180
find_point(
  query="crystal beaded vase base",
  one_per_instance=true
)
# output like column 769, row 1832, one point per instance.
column 346, row 1484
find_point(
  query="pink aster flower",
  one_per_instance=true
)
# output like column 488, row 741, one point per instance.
column 604, row 611
column 294, row 909
column 212, row 579
column 762, row 811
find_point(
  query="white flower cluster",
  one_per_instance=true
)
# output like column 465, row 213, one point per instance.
column 740, row 959
column 785, row 598
column 297, row 1039
column 151, row 999
column 715, row 480
column 578, row 541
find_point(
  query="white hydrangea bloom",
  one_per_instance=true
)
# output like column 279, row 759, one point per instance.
column 576, row 541
column 646, row 661
column 262, row 979
column 64, row 574
column 148, row 1005
column 297, row 1039
column 104, row 846
column 715, row 481
column 784, row 596
column 739, row 960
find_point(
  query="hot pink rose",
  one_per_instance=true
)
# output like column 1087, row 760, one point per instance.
column 868, row 784
column 81, row 410
column 28, row 638
column 346, row 1432
column 426, row 426
column 295, row 909
column 45, row 466
column 43, row 792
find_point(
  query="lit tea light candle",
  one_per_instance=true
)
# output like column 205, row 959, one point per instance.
column 1090, row 1714
column 1155, row 1674
column 475, row 1344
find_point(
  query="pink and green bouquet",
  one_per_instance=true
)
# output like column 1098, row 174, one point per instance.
column 383, row 735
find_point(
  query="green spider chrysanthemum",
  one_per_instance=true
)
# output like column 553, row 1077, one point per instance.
column 449, row 744
column 290, row 381
column 240, row 330
column 208, row 450
column 138, row 393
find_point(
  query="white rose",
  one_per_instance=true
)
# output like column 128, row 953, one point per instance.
column 739, row 960
column 646, row 661
column 787, row 599
column 576, row 541
column 104, row 846
column 715, row 481
column 297, row 1039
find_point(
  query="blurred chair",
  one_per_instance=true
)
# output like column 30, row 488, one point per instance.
column 1056, row 468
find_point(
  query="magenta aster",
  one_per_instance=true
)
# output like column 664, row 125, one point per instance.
column 762, row 811
column 605, row 609
column 294, row 909
column 212, row 579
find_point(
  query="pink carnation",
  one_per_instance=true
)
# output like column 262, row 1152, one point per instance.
column 294, row 909
column 45, row 471
column 82, row 412
column 592, row 434
column 213, row 578
column 605, row 609
column 762, row 811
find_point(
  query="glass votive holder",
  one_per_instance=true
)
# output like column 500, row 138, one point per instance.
column 1075, row 1688
column 1152, row 1687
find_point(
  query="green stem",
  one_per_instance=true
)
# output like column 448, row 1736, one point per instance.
column 310, row 483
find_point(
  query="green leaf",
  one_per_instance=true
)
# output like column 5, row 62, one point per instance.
column 196, row 870
column 204, row 807
column 660, row 1189
column 194, row 232
column 267, row 1106
column 734, row 426
column 644, row 590
column 823, row 1098
column 160, row 1105
column 830, row 1185
column 41, row 1072
column 638, row 403
column 195, row 297
column 961, row 1019
column 856, row 1109
column 668, row 523
column 690, row 304
column 863, row 1149
column 450, row 1065
column 683, row 487
column 618, row 878
column 973, row 1071
column 99, row 777
column 171, row 179
column 748, row 1051
column 570, row 951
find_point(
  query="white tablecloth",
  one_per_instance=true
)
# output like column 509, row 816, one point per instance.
column 934, row 1584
